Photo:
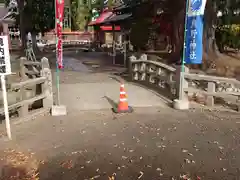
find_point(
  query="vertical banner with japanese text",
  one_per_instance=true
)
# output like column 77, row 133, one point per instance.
column 59, row 25
column 194, row 32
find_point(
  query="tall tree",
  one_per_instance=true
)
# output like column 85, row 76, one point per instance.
column 41, row 15
column 34, row 16
column 213, row 7
column 176, row 13
column 80, row 14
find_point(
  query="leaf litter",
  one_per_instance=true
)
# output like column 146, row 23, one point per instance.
column 19, row 165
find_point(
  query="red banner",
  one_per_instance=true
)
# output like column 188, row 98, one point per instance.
column 59, row 24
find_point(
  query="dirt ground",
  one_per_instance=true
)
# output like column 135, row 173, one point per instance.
column 148, row 144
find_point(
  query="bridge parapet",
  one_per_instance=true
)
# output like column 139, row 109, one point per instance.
column 204, row 89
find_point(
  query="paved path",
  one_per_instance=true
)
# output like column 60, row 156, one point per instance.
column 149, row 144
column 87, row 88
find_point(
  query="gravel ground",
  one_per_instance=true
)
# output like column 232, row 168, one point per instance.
column 148, row 144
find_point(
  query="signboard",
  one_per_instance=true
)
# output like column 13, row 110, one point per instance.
column 194, row 32
column 5, row 64
column 59, row 27
column 5, row 69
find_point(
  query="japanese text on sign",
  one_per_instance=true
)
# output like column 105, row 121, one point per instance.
column 5, row 65
column 193, row 44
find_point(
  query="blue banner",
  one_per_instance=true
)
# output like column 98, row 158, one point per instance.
column 194, row 32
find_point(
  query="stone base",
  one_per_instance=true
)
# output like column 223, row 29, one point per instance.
column 59, row 110
column 129, row 110
column 181, row 104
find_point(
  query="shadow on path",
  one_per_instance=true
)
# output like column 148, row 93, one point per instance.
column 111, row 102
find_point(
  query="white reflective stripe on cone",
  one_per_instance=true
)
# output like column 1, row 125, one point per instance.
column 122, row 92
column 124, row 99
column 122, row 85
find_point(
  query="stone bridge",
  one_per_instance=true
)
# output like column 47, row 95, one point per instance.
column 89, row 82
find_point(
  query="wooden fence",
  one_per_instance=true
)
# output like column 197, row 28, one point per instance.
column 33, row 94
column 204, row 89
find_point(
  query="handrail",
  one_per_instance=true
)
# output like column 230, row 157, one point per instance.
column 27, row 83
column 155, row 63
column 168, row 78
column 24, row 102
column 211, row 78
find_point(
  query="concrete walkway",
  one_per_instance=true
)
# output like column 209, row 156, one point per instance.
column 93, row 96
column 85, row 88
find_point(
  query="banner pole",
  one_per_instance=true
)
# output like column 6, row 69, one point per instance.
column 57, row 68
column 183, row 54
column 185, row 33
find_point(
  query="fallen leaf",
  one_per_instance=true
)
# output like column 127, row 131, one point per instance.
column 111, row 178
column 158, row 169
column 221, row 147
column 124, row 157
column 95, row 177
column 88, row 162
column 184, row 150
column 187, row 161
column 141, row 174
column 224, row 169
column 67, row 164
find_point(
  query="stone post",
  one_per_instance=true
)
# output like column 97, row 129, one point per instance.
column 143, row 57
column 182, row 99
column 181, row 82
column 211, row 89
column 130, row 70
column 47, row 85
column 22, row 72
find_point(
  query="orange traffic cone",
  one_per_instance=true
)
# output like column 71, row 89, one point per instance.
column 123, row 106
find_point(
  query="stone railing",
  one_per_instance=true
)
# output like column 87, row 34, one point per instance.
column 157, row 74
column 183, row 87
column 33, row 95
column 207, row 89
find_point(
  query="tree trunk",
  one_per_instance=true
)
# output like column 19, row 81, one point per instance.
column 34, row 42
column 177, row 36
column 21, row 24
column 210, row 49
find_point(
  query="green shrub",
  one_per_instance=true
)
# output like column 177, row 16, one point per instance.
column 228, row 36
